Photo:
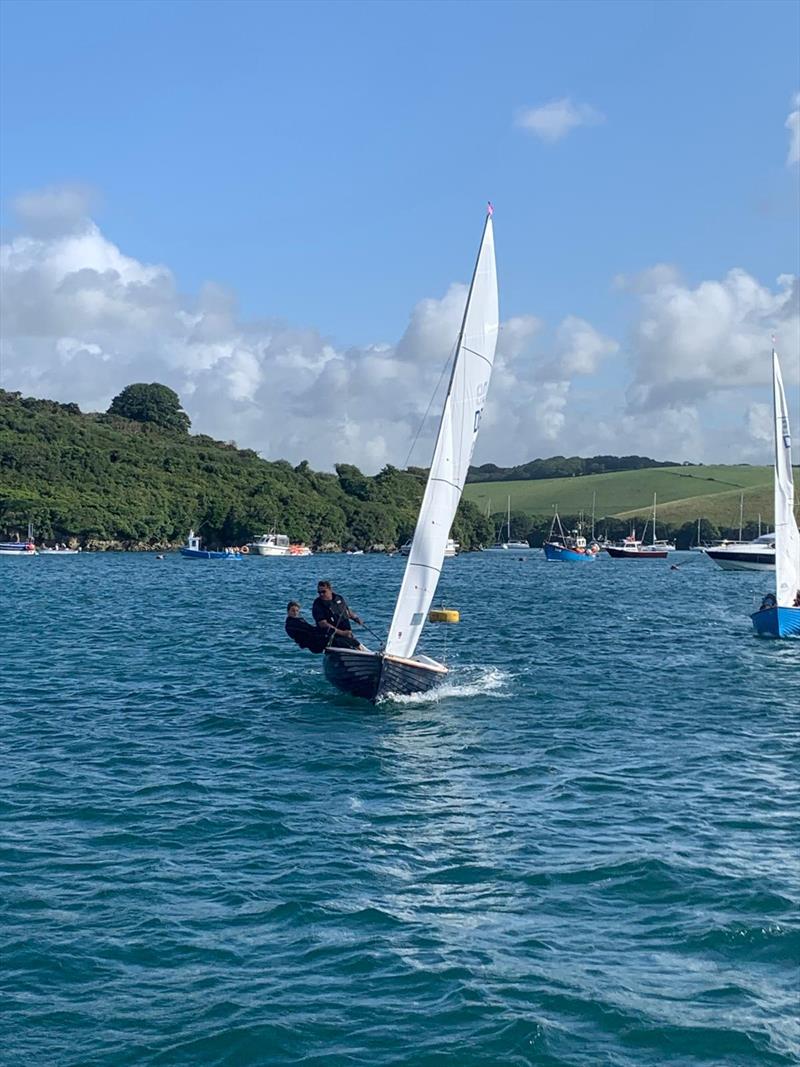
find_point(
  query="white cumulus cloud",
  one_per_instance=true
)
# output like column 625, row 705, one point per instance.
column 792, row 124
column 555, row 119
column 81, row 320
column 759, row 423
column 692, row 343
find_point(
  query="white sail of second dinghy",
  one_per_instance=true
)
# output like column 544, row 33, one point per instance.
column 787, row 538
column 458, row 431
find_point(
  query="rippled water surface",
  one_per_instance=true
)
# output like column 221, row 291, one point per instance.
column 584, row 850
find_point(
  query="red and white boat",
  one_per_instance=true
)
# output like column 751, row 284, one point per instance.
column 631, row 548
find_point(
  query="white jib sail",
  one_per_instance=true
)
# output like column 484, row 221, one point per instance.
column 458, row 430
column 787, row 539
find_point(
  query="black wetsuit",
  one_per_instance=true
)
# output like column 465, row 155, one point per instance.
column 336, row 612
column 306, row 635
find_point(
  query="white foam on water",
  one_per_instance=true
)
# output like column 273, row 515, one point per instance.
column 465, row 682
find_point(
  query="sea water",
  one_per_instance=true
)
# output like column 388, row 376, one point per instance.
column 582, row 850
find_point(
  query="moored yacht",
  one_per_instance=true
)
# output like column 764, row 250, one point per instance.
column 631, row 548
column 509, row 545
column 755, row 555
column 276, row 544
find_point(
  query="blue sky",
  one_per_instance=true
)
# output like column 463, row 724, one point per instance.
column 328, row 166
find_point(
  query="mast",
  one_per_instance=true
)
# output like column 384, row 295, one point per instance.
column 594, row 497
column 741, row 515
column 509, row 519
column 654, row 518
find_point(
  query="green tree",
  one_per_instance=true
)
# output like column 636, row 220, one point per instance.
column 151, row 403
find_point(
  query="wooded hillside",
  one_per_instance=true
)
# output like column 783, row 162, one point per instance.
column 110, row 478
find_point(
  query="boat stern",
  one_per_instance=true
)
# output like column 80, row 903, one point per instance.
column 777, row 622
column 406, row 677
column 371, row 675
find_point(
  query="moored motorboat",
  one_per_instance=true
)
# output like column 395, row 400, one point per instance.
column 755, row 555
column 562, row 547
column 193, row 550
column 633, row 548
column 396, row 668
column 779, row 614
column 17, row 548
column 276, row 544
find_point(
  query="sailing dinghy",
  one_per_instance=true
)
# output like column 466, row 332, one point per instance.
column 779, row 614
column 395, row 668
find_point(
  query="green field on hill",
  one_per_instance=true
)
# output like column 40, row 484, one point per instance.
column 684, row 494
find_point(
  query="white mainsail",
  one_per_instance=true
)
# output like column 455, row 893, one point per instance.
column 458, row 431
column 787, row 538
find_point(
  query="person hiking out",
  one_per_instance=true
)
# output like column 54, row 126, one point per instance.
column 331, row 613
column 302, row 632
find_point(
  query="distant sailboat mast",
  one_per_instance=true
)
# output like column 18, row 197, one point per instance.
column 594, row 497
column 741, row 515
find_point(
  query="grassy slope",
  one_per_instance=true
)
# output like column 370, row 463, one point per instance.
column 684, row 493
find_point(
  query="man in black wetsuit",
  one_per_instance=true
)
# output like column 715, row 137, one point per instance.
column 302, row 632
column 331, row 612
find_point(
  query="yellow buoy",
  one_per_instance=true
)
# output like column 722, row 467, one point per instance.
column 443, row 615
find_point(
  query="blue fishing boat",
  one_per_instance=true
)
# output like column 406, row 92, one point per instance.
column 192, row 550
column 779, row 614
column 568, row 548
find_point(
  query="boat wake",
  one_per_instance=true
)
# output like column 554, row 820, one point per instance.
column 463, row 682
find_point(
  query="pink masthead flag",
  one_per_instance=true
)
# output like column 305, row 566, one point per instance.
column 490, row 207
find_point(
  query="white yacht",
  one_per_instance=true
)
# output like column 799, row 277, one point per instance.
column 509, row 545
column 276, row 544
column 755, row 555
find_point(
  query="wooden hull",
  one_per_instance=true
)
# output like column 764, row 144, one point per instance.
column 371, row 675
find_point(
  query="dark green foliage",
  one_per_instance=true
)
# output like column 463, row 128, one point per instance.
column 154, row 403
column 111, row 478
column 563, row 467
